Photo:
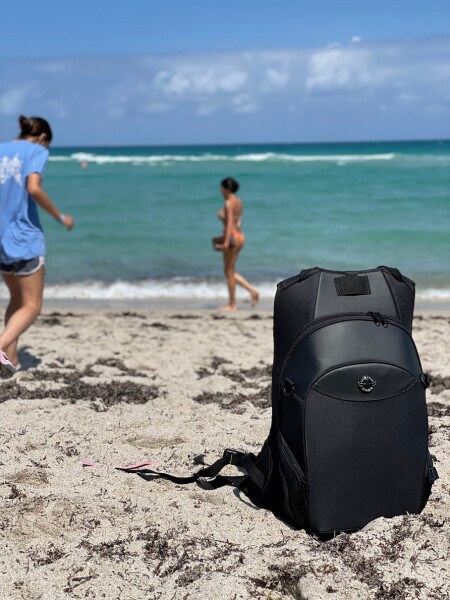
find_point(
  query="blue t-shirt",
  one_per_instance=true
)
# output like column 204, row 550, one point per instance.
column 21, row 234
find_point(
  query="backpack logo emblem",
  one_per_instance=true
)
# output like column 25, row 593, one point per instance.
column 366, row 384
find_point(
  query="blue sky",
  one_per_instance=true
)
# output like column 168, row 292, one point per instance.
column 153, row 72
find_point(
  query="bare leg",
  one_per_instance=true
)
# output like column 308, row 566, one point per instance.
column 23, row 309
column 15, row 302
column 245, row 284
column 229, row 262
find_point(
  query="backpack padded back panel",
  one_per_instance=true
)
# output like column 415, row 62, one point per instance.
column 376, row 296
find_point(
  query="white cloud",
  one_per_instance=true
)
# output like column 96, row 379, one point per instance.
column 338, row 68
column 172, row 84
column 198, row 81
column 244, row 104
column 203, row 82
column 356, row 39
column 277, row 78
column 302, row 86
column 232, row 82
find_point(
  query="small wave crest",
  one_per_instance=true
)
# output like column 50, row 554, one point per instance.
column 104, row 159
column 434, row 294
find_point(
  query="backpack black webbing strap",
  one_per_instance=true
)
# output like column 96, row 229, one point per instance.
column 208, row 478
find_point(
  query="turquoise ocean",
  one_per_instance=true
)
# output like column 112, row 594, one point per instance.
column 145, row 216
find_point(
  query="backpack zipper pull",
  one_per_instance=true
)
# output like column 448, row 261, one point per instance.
column 376, row 317
column 383, row 321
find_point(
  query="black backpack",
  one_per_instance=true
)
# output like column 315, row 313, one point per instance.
column 349, row 435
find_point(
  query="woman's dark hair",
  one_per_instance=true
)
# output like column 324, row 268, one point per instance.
column 34, row 126
column 230, row 184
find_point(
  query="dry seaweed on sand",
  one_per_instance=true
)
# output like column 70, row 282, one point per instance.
column 235, row 401
column 438, row 409
column 214, row 364
column 174, row 551
column 439, row 384
column 54, row 318
column 248, row 377
column 117, row 364
column 73, row 387
column 114, row 549
column 284, row 579
column 158, row 325
column 45, row 556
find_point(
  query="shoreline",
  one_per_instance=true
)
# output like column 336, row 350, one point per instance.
column 426, row 307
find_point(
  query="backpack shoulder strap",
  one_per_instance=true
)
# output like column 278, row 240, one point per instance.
column 393, row 271
column 305, row 273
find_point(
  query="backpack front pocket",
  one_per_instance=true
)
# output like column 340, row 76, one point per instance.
column 366, row 445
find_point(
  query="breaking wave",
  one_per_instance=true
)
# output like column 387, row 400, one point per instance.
column 174, row 288
column 155, row 159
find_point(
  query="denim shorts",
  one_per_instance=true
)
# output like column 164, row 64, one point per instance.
column 23, row 267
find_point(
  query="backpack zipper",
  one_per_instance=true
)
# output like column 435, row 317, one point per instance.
column 378, row 318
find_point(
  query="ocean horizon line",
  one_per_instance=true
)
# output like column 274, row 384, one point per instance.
column 253, row 144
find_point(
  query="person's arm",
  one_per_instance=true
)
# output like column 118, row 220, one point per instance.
column 43, row 199
column 228, row 225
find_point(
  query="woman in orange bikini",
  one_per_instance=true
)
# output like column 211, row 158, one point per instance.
column 232, row 242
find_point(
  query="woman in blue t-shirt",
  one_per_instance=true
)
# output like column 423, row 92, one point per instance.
column 22, row 241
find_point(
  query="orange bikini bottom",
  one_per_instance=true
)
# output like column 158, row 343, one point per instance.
column 237, row 237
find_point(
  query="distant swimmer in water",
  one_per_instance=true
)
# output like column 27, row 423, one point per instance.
column 232, row 241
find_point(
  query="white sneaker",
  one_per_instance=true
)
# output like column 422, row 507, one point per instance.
column 6, row 366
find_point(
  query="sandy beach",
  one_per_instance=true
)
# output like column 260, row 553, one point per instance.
column 176, row 387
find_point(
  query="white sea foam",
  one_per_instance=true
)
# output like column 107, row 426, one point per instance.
column 175, row 288
column 146, row 290
column 104, row 159
column 434, row 294
column 149, row 289
column 340, row 158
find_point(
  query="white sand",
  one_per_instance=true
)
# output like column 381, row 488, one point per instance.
column 74, row 532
